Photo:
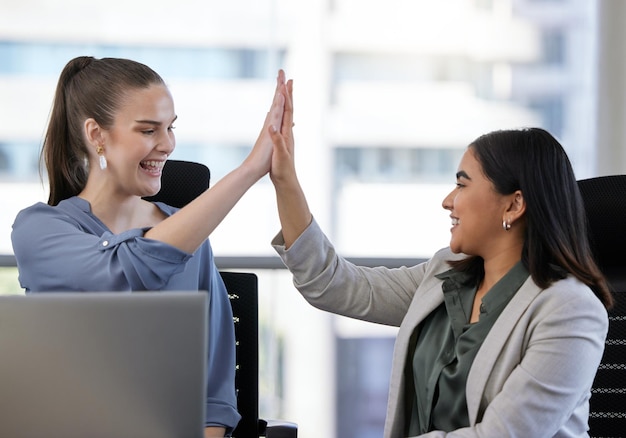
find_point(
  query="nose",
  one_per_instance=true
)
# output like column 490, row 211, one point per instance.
column 167, row 143
column 447, row 201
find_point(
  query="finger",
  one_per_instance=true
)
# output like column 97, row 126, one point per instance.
column 287, row 122
column 280, row 82
column 281, row 78
column 277, row 139
column 276, row 114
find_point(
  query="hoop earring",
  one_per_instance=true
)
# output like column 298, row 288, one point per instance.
column 506, row 226
column 101, row 158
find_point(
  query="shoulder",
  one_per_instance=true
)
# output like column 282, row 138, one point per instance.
column 68, row 208
column 426, row 274
column 165, row 208
column 36, row 212
column 571, row 289
column 35, row 208
column 439, row 262
column 569, row 300
column 446, row 254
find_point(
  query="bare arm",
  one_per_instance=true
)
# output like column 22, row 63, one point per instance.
column 293, row 209
column 214, row 432
column 190, row 227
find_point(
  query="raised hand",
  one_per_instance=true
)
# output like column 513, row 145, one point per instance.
column 293, row 209
column 283, row 164
column 261, row 155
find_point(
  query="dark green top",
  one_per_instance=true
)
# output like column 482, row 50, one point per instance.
column 445, row 348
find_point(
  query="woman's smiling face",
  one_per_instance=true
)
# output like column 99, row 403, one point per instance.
column 140, row 140
column 476, row 210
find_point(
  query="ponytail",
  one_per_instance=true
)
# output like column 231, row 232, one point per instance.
column 63, row 151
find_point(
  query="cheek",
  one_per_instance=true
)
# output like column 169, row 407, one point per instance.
column 490, row 212
column 472, row 209
column 461, row 201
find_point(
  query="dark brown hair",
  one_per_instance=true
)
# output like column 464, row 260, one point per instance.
column 556, row 242
column 87, row 88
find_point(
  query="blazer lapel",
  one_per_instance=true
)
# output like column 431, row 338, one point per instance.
column 494, row 343
column 418, row 310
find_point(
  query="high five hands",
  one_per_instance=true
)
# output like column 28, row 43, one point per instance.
column 293, row 209
column 282, row 165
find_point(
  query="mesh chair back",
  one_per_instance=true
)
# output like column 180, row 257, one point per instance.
column 606, row 213
column 182, row 182
column 242, row 289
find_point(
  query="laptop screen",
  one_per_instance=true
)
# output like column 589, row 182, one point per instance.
column 103, row 364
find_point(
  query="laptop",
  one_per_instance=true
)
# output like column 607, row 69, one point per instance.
column 110, row 365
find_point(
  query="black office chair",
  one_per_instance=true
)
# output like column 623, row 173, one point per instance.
column 181, row 182
column 605, row 204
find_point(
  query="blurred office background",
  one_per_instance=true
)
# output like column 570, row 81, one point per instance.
column 388, row 93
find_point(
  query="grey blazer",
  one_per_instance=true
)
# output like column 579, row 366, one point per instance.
column 531, row 377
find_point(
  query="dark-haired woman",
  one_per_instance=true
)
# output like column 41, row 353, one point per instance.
column 501, row 333
column 109, row 135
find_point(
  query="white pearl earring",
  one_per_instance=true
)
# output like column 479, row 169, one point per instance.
column 101, row 158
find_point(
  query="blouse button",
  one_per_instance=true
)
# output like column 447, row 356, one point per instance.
column 105, row 243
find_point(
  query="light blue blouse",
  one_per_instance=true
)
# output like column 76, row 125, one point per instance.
column 67, row 248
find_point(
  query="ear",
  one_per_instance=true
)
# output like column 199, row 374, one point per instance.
column 517, row 206
column 94, row 134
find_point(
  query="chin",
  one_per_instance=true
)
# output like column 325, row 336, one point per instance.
column 152, row 191
column 456, row 249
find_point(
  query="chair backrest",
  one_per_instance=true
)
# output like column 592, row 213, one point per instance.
column 194, row 177
column 242, row 290
column 181, row 182
column 606, row 214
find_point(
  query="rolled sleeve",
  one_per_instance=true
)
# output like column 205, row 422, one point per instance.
column 54, row 244
column 308, row 256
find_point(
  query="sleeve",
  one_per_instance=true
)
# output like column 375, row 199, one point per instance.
column 55, row 252
column 547, row 394
column 221, row 405
column 331, row 283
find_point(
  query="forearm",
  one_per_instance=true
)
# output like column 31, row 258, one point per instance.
column 213, row 432
column 189, row 227
column 293, row 211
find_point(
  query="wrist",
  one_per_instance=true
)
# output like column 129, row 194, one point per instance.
column 250, row 172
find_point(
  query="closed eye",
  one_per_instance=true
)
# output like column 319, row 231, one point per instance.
column 154, row 124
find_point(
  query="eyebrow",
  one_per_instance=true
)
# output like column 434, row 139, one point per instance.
column 155, row 122
column 462, row 174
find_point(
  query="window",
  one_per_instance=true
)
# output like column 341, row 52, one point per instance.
column 396, row 165
column 48, row 59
